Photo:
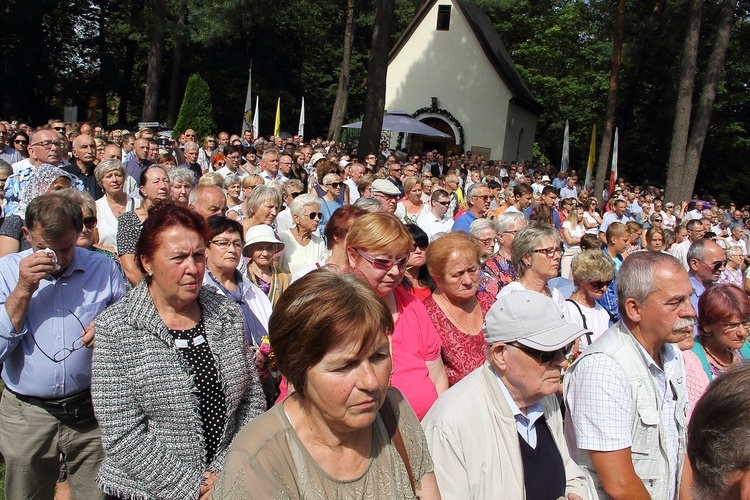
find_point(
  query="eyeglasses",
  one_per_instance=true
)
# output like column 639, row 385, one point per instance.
column 334, row 185
column 657, row 220
column 444, row 203
column 59, row 129
column 599, row 284
column 295, row 194
column 315, row 215
column 210, row 140
column 488, row 241
column 513, row 232
column 46, row 145
column 20, row 142
column 391, row 197
column 65, row 352
column 221, row 163
column 736, row 326
column 715, row 267
column 484, row 197
column 550, row 252
column 89, row 222
column 545, row 356
column 225, row 244
column 383, row 264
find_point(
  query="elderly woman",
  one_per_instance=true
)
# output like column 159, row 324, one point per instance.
column 592, row 273
column 378, row 246
column 482, row 444
column 457, row 313
column 573, row 230
column 412, row 206
column 732, row 272
column 654, row 238
column 154, row 186
column 417, row 280
column 484, row 231
column 331, row 340
column 44, row 179
column 535, row 253
column 332, row 184
column 110, row 175
column 302, row 245
column 497, row 270
column 261, row 245
column 723, row 321
column 635, row 230
column 261, row 207
column 232, row 186
column 174, row 379
column 181, row 181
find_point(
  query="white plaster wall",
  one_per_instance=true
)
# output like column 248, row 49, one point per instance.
column 519, row 118
column 451, row 66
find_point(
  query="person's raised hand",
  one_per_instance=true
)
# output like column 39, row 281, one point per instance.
column 34, row 268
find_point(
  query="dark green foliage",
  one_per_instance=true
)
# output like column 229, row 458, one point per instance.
column 196, row 111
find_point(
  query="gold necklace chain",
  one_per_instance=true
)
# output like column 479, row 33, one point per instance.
column 454, row 320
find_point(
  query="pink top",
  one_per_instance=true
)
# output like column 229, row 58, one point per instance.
column 461, row 353
column 415, row 341
column 697, row 380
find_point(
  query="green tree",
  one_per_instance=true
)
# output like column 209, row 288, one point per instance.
column 196, row 111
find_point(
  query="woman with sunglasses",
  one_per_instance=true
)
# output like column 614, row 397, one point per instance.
column 591, row 218
column 20, row 142
column 417, row 280
column 535, row 253
column 302, row 245
column 378, row 247
column 206, row 152
column 332, row 198
column 592, row 273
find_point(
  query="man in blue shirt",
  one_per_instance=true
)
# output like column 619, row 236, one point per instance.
column 478, row 198
column 49, row 297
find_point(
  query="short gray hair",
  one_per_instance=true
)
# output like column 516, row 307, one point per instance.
column 733, row 250
column 697, row 251
column 107, row 166
column 300, row 202
column 525, row 243
column 635, row 279
column 471, row 191
column 507, row 220
column 480, row 224
column 368, row 204
column 6, row 167
column 230, row 179
column 181, row 174
column 191, row 145
column 260, row 195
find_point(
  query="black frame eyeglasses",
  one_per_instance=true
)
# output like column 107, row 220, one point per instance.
column 65, row 352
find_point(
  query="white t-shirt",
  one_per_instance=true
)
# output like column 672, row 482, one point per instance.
column 575, row 232
column 517, row 285
column 296, row 256
column 597, row 319
column 591, row 220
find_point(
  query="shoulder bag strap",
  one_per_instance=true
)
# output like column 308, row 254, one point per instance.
column 391, row 426
column 588, row 335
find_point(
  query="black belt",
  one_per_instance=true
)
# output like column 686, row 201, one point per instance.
column 54, row 403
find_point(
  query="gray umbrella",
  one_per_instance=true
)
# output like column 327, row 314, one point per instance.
column 401, row 121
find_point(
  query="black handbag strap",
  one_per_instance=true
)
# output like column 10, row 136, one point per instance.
column 588, row 334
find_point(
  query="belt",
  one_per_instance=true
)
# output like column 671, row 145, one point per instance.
column 54, row 403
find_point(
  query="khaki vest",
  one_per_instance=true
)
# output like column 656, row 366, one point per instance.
column 649, row 443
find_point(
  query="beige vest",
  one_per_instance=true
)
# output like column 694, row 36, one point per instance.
column 648, row 450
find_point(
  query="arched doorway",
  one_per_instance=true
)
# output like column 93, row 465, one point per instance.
column 420, row 143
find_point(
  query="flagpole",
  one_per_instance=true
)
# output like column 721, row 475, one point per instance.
column 301, row 127
column 247, row 121
column 256, row 132
column 277, row 122
column 592, row 158
column 566, row 139
column 613, row 174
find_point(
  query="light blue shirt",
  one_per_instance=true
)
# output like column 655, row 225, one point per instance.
column 89, row 284
column 525, row 424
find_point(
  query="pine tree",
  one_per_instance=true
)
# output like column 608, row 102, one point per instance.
column 196, row 111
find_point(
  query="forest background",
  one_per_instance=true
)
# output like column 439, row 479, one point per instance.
column 96, row 54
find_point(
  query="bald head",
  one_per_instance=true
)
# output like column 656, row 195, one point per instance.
column 208, row 200
column 112, row 151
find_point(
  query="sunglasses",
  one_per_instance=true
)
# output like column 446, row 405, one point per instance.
column 657, row 220
column 444, row 203
column 295, row 194
column 545, row 356
column 600, row 284
column 89, row 222
column 716, row 267
column 334, row 185
column 315, row 215
column 20, row 142
column 220, row 164
column 383, row 264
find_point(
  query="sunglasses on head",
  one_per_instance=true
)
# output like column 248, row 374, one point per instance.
column 545, row 356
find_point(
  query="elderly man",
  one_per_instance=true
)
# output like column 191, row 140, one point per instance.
column 706, row 260
column 207, row 200
column 49, row 297
column 84, row 163
column 140, row 161
column 386, row 193
column 394, row 174
column 434, row 221
column 356, row 171
column 478, row 198
column 270, row 166
column 498, row 432
column 626, row 395
column 695, row 232
column 719, row 438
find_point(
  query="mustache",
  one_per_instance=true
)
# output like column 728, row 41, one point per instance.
column 682, row 324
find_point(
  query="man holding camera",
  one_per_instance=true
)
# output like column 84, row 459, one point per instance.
column 49, row 297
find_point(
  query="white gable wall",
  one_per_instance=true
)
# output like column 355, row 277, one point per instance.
column 452, row 66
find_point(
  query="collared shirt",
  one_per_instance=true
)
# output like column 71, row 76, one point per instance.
column 224, row 171
column 267, row 177
column 431, row 225
column 88, row 179
column 464, row 222
column 601, row 404
column 10, row 155
column 134, row 168
column 525, row 424
column 567, row 192
column 89, row 284
column 698, row 289
column 609, row 218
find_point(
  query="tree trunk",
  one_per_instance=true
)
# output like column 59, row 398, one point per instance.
column 342, row 95
column 103, row 64
column 127, row 68
column 684, row 103
column 174, row 82
column 704, row 107
column 153, row 74
column 372, row 123
column 609, row 118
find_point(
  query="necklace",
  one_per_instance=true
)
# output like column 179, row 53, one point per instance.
column 447, row 305
column 719, row 363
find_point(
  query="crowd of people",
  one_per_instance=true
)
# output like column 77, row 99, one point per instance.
column 235, row 317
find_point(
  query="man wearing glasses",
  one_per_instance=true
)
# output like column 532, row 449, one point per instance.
column 498, row 432
column 434, row 221
column 49, row 297
column 706, row 260
column 626, row 395
column 394, row 175
column 478, row 198
column 7, row 153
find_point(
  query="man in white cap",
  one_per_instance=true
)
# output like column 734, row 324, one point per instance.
column 498, row 432
column 386, row 193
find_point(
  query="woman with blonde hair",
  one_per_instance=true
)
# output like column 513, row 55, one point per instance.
column 378, row 247
column 411, row 206
column 261, row 207
column 572, row 231
column 592, row 273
